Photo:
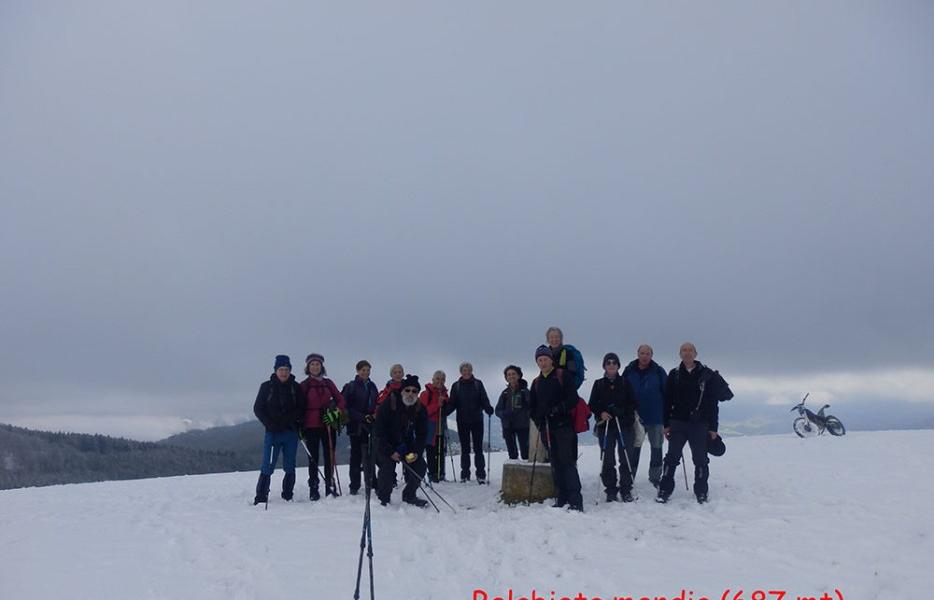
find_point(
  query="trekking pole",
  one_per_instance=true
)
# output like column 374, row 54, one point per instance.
column 308, row 452
column 272, row 463
column 447, row 447
column 489, row 447
column 534, row 464
column 622, row 442
column 334, row 476
column 420, row 486
column 438, row 450
column 684, row 470
column 367, row 534
column 430, row 488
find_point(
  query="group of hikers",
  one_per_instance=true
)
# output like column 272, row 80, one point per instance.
column 405, row 424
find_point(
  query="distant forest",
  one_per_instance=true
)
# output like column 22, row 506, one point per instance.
column 34, row 458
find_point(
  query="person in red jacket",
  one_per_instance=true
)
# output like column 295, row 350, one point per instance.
column 396, row 373
column 323, row 415
column 434, row 398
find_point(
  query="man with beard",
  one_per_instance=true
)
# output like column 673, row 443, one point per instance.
column 401, row 426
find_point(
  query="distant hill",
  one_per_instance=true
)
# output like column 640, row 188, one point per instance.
column 36, row 458
column 246, row 440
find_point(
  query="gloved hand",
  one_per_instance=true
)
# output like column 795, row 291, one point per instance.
column 411, row 457
column 488, row 410
column 332, row 417
column 369, row 418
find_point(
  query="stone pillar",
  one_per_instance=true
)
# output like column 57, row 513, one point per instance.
column 529, row 481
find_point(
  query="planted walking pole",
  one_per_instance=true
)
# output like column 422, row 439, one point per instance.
column 684, row 470
column 420, row 486
column 489, row 446
column 367, row 534
column 619, row 433
column 272, row 463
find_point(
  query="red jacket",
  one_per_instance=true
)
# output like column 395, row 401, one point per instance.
column 319, row 393
column 431, row 399
column 391, row 386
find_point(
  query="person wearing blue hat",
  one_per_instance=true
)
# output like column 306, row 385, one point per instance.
column 280, row 407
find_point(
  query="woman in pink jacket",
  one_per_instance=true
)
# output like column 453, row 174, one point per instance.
column 323, row 416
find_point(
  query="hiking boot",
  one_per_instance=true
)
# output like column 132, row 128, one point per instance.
column 416, row 502
column 576, row 507
column 313, row 495
column 286, row 497
column 481, row 480
column 259, row 500
column 354, row 491
column 662, row 497
column 383, row 502
column 701, row 498
column 330, row 491
column 560, row 503
column 626, row 497
column 611, row 497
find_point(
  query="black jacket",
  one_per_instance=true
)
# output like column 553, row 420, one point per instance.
column 469, row 399
column 360, row 399
column 554, row 399
column 513, row 406
column 280, row 406
column 401, row 428
column 615, row 397
column 685, row 401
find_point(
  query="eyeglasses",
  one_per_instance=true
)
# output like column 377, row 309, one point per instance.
column 612, row 362
column 410, row 391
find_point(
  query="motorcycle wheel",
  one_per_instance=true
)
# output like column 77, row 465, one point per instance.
column 803, row 428
column 834, row 426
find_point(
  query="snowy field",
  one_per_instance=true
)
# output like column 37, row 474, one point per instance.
column 785, row 514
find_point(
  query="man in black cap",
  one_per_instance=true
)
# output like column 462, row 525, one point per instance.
column 614, row 405
column 402, row 428
column 552, row 401
column 280, row 407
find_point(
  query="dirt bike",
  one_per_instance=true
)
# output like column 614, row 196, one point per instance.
column 810, row 423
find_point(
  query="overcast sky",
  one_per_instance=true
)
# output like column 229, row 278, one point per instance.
column 188, row 189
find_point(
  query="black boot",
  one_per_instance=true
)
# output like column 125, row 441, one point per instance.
column 560, row 503
column 667, row 485
column 262, row 489
column 415, row 501
column 625, row 496
column 288, row 486
column 313, row 494
column 611, row 496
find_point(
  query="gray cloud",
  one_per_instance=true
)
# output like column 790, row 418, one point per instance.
column 188, row 190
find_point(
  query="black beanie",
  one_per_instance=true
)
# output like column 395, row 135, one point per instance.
column 610, row 356
column 411, row 381
column 716, row 447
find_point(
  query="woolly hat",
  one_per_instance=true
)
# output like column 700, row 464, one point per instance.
column 411, row 381
column 543, row 350
column 283, row 361
column 314, row 356
column 610, row 356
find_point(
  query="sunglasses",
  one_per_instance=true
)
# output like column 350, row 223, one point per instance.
column 410, row 391
column 612, row 362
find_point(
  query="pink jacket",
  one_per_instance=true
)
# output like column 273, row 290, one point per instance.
column 319, row 393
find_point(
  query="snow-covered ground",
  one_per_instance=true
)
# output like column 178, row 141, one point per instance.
column 802, row 516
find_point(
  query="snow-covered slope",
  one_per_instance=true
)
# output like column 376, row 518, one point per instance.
column 803, row 516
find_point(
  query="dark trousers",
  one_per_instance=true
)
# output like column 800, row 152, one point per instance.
column 436, row 457
column 562, row 448
column 387, row 476
column 694, row 434
column 472, row 432
column 512, row 436
column 359, row 443
column 613, row 446
column 321, row 439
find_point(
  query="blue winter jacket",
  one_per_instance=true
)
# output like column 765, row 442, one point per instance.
column 649, row 386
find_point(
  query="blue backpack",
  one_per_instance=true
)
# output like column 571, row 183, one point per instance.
column 570, row 352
